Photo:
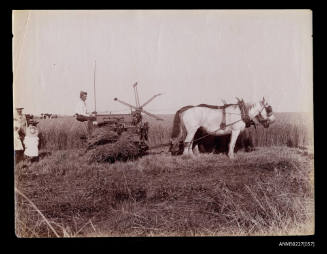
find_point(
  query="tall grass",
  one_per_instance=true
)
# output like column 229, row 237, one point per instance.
column 62, row 133
column 291, row 129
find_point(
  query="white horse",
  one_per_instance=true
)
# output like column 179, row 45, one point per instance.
column 188, row 119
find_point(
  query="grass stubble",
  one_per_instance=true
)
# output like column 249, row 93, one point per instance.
column 266, row 192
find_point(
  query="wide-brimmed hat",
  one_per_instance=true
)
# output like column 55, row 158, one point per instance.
column 19, row 108
column 33, row 122
column 32, row 131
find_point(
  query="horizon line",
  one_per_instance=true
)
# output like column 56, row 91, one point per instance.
column 126, row 113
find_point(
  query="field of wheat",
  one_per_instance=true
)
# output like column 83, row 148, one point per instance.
column 291, row 129
column 266, row 192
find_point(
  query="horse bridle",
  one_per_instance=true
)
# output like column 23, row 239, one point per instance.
column 268, row 112
column 268, row 109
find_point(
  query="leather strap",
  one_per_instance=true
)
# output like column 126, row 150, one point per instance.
column 223, row 121
column 245, row 114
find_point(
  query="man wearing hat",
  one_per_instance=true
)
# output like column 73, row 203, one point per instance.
column 82, row 113
column 20, row 124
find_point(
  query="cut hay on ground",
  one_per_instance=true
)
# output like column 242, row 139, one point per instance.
column 266, row 192
column 109, row 147
column 101, row 136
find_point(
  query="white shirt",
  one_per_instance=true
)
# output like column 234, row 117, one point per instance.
column 20, row 122
column 17, row 142
column 31, row 146
column 81, row 108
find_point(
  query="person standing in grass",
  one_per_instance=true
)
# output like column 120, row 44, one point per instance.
column 20, row 125
column 31, row 142
column 18, row 146
column 82, row 113
column 20, row 121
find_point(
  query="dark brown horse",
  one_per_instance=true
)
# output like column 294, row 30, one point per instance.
column 219, row 144
column 216, row 144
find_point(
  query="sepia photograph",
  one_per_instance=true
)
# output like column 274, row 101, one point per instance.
column 163, row 123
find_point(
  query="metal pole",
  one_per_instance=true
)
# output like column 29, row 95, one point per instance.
column 137, row 97
column 137, row 102
column 95, row 101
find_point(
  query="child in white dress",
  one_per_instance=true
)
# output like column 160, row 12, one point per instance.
column 31, row 142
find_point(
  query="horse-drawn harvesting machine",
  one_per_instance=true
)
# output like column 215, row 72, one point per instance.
column 133, row 121
column 121, row 136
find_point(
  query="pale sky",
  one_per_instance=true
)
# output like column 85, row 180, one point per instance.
column 191, row 56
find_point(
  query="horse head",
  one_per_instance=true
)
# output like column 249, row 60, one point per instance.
column 265, row 114
column 176, row 146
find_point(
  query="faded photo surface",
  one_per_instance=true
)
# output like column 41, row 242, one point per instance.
column 163, row 123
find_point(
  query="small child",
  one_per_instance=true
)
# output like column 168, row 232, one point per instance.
column 18, row 146
column 31, row 142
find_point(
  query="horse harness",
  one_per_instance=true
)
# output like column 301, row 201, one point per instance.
column 244, row 114
column 268, row 112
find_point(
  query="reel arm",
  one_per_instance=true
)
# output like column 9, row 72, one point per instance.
column 151, row 99
column 149, row 114
column 126, row 104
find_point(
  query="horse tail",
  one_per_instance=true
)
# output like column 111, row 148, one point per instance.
column 178, row 126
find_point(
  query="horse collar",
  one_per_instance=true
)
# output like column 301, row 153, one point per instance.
column 245, row 114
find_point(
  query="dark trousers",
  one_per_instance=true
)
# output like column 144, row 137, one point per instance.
column 31, row 159
column 89, row 120
column 19, row 156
